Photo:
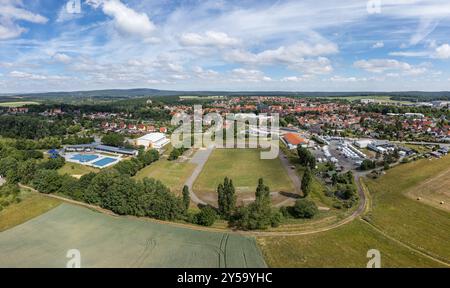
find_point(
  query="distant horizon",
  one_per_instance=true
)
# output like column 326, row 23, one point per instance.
column 222, row 91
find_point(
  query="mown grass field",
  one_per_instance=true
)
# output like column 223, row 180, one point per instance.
column 244, row 167
column 345, row 246
column 172, row 173
column 434, row 191
column 413, row 222
column 32, row 205
column 76, row 170
column 106, row 241
column 17, row 104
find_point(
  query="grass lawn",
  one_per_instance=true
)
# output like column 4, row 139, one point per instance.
column 417, row 224
column 32, row 205
column 76, row 170
column 419, row 148
column 106, row 241
column 172, row 173
column 345, row 246
column 17, row 104
column 244, row 167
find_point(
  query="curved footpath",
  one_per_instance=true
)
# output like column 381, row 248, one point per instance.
column 200, row 158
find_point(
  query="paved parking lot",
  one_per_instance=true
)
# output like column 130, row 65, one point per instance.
column 344, row 162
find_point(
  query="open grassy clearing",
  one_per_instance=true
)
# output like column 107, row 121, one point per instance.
column 419, row 148
column 172, row 173
column 106, row 241
column 17, row 104
column 410, row 221
column 434, row 191
column 345, row 246
column 32, row 205
column 76, row 170
column 244, row 167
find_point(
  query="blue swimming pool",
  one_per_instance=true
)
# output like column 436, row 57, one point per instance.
column 84, row 158
column 105, row 161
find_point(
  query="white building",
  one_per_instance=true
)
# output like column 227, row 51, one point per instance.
column 367, row 101
column 153, row 140
column 362, row 143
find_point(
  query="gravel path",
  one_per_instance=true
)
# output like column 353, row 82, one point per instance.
column 200, row 158
column 291, row 172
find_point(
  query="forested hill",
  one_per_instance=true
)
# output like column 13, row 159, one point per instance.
column 131, row 93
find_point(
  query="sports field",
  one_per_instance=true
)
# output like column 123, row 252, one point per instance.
column 17, row 104
column 411, row 221
column 106, row 241
column 172, row 173
column 244, row 167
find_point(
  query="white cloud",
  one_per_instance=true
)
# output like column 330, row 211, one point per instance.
column 245, row 75
column 321, row 65
column 295, row 78
column 63, row 58
column 384, row 65
column 379, row 44
column 410, row 54
column 210, row 38
column 284, row 54
column 126, row 20
column 31, row 76
column 443, row 51
column 338, row 78
column 12, row 11
column 205, row 74
column 179, row 76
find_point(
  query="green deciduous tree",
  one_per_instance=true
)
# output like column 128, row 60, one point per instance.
column 226, row 198
column 259, row 214
column 206, row 217
column 306, row 158
column 113, row 139
column 306, row 182
column 186, row 197
column 304, row 208
column 47, row 181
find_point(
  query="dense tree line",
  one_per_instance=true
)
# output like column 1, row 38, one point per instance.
column 176, row 152
column 9, row 194
column 259, row 214
column 132, row 166
column 306, row 158
column 113, row 139
column 109, row 188
column 28, row 127
column 385, row 109
column 368, row 165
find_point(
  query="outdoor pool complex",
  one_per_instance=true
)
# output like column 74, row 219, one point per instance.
column 94, row 160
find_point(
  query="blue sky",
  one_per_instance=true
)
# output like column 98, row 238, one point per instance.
column 337, row 45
